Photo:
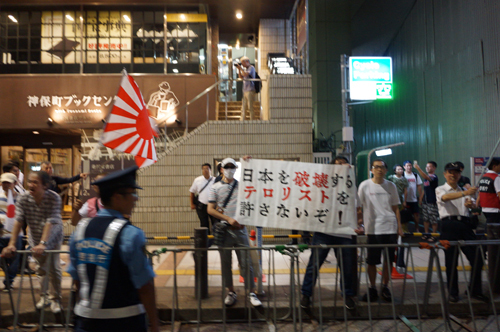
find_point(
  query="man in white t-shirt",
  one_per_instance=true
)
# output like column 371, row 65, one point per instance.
column 379, row 200
column 199, row 196
column 414, row 192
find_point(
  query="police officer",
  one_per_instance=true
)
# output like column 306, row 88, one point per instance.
column 489, row 192
column 453, row 205
column 108, row 264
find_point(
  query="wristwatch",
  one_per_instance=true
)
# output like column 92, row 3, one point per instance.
column 43, row 242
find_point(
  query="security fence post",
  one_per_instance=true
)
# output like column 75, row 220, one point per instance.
column 201, row 262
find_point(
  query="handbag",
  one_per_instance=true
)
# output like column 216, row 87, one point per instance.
column 220, row 228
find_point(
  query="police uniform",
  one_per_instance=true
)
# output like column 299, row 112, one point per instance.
column 107, row 257
column 456, row 226
column 489, row 186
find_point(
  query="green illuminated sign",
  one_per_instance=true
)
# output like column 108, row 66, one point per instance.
column 370, row 78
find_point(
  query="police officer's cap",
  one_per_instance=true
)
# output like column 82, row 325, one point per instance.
column 120, row 179
column 452, row 167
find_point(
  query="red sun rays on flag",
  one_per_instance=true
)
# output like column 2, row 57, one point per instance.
column 128, row 127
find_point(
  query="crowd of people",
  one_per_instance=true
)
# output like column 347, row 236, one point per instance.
column 106, row 245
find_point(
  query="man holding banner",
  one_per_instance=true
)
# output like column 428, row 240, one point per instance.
column 379, row 199
column 222, row 203
column 312, row 270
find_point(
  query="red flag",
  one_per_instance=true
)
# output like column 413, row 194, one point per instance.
column 11, row 212
column 129, row 126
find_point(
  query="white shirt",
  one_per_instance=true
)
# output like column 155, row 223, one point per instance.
column 411, row 192
column 198, row 185
column 454, row 207
column 497, row 190
column 377, row 201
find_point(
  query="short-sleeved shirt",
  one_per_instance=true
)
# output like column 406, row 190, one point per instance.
column 430, row 189
column 377, row 201
column 249, row 85
column 28, row 212
column 414, row 180
column 219, row 193
column 132, row 242
column 401, row 183
column 84, row 210
column 454, row 207
column 3, row 213
column 198, row 184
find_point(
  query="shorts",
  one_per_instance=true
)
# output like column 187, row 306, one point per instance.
column 430, row 213
column 413, row 207
column 374, row 254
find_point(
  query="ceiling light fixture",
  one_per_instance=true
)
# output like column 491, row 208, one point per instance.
column 35, row 132
column 175, row 70
column 69, row 17
column 12, row 18
column 239, row 15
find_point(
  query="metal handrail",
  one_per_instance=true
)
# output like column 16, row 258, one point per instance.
column 164, row 138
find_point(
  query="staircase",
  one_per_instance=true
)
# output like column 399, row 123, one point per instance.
column 234, row 111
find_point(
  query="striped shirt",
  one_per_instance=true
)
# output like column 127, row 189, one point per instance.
column 35, row 216
column 218, row 194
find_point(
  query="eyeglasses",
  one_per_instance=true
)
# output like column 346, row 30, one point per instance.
column 230, row 166
column 133, row 194
column 378, row 167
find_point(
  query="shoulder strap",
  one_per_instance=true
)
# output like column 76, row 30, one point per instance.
column 209, row 180
column 230, row 194
column 97, row 204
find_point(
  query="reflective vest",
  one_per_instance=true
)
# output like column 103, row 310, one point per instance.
column 106, row 290
column 487, row 194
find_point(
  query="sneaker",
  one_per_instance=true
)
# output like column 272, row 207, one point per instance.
column 386, row 294
column 55, row 306
column 254, row 300
column 454, row 298
column 230, row 299
column 349, row 303
column 7, row 289
column 372, row 292
column 41, row 304
column 305, row 302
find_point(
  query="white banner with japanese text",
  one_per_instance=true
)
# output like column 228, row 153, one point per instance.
column 295, row 195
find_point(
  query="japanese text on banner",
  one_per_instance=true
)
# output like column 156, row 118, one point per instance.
column 294, row 195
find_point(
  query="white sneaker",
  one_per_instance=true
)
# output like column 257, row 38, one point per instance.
column 55, row 306
column 230, row 299
column 254, row 300
column 41, row 304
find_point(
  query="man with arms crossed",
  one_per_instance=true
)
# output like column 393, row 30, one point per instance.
column 379, row 200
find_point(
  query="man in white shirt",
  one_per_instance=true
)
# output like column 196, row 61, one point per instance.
column 414, row 192
column 199, row 196
column 489, row 192
column 453, row 205
column 379, row 200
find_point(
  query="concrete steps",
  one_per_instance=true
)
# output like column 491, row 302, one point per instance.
column 234, row 110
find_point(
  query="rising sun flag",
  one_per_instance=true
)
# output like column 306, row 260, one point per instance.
column 129, row 128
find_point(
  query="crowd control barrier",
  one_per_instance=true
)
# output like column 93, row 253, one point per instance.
column 425, row 296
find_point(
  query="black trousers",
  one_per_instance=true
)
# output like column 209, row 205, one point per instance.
column 454, row 230
column 492, row 217
column 205, row 218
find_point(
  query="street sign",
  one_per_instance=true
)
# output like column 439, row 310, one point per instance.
column 370, row 78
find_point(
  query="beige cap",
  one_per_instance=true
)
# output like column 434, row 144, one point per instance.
column 8, row 177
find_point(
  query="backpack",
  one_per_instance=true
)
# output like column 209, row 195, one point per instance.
column 257, row 84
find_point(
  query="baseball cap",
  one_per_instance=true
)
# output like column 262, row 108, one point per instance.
column 228, row 161
column 8, row 177
column 452, row 167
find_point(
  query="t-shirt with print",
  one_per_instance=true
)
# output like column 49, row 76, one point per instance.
column 377, row 201
column 218, row 194
column 414, row 180
column 430, row 189
column 401, row 183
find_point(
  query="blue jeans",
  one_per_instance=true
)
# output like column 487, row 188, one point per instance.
column 11, row 263
column 312, row 271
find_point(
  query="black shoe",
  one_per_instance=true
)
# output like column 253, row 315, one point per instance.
column 305, row 302
column 27, row 270
column 386, row 294
column 372, row 292
column 479, row 297
column 349, row 303
column 454, row 298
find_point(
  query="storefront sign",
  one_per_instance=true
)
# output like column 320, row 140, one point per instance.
column 370, row 78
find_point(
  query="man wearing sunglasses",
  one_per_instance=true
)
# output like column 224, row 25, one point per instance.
column 108, row 263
